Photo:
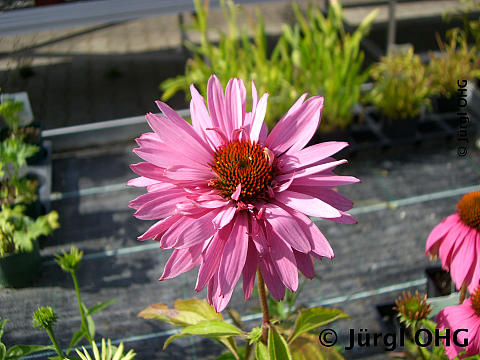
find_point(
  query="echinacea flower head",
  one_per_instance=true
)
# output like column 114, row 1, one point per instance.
column 232, row 198
column 465, row 320
column 412, row 308
column 456, row 240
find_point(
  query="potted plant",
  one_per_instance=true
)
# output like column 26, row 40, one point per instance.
column 400, row 91
column 456, row 62
column 21, row 221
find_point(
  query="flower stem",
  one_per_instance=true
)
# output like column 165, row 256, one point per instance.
column 80, row 306
column 463, row 293
column 54, row 342
column 264, row 303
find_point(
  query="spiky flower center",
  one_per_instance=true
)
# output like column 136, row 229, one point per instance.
column 475, row 298
column 246, row 163
column 469, row 209
column 412, row 308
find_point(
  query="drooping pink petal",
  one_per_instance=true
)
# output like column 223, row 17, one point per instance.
column 234, row 254
column 199, row 231
column 440, row 231
column 272, row 280
column 181, row 261
column 225, row 216
column 160, row 207
column 284, row 261
column 249, row 270
column 285, row 226
column 305, row 264
column 159, row 227
column 211, row 258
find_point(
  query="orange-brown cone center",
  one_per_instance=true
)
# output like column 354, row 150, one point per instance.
column 469, row 209
column 245, row 163
column 475, row 298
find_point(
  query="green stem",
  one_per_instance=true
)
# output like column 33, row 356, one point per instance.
column 80, row 306
column 246, row 354
column 264, row 303
column 54, row 342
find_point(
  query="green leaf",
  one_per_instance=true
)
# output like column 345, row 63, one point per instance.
column 313, row 318
column 306, row 347
column 18, row 351
column 261, row 352
column 90, row 323
column 79, row 335
column 99, row 307
column 3, row 351
column 277, row 346
column 207, row 328
column 187, row 312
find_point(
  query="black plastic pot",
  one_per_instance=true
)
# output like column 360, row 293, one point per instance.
column 439, row 282
column 444, row 104
column 399, row 129
column 20, row 269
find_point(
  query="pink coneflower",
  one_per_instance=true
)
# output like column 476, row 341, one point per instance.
column 233, row 198
column 456, row 240
column 460, row 318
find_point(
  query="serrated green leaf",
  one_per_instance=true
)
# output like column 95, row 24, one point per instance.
column 18, row 351
column 277, row 346
column 313, row 318
column 207, row 328
column 99, row 307
column 261, row 352
column 306, row 347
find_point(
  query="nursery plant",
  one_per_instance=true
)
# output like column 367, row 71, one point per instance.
column 19, row 228
column 457, row 61
column 402, row 87
column 316, row 55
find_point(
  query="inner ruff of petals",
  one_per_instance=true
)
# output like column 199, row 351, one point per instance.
column 475, row 298
column 246, row 163
column 469, row 209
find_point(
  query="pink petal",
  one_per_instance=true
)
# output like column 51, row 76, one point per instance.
column 216, row 105
column 214, row 295
column 160, row 207
column 285, row 226
column 141, row 182
column 284, row 261
column 311, row 155
column 198, row 231
column 159, row 227
column 440, row 231
column 181, row 261
column 312, row 170
column 307, row 204
column 179, row 173
column 326, row 180
column 234, row 105
column 258, row 117
column 234, row 255
column 174, row 134
column 305, row 264
column 447, row 245
column 236, row 195
column 249, row 270
column 463, row 258
column 320, row 245
column 272, row 280
column 211, row 258
column 224, row 217
column 296, row 129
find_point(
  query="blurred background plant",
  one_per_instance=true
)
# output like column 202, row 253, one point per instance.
column 401, row 85
column 316, row 55
column 457, row 61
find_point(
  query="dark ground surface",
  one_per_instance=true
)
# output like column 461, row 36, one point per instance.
column 386, row 248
